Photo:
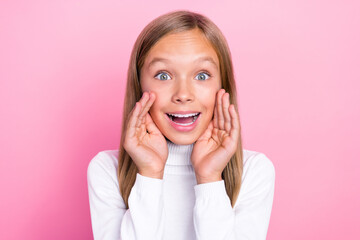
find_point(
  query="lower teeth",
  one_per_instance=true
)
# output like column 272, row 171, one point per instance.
column 185, row 124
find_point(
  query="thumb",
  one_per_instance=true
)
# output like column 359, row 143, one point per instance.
column 150, row 125
column 207, row 134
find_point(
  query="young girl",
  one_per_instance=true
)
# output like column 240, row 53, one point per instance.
column 180, row 172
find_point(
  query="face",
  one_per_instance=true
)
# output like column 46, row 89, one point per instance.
column 182, row 69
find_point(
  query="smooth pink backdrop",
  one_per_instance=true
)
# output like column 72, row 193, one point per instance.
column 63, row 69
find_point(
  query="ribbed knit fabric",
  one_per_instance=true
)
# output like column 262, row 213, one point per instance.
column 179, row 162
column 176, row 207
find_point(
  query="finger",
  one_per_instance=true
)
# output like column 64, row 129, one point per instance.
column 144, row 98
column 133, row 119
column 208, row 132
column 235, row 123
column 150, row 125
column 143, row 101
column 220, row 115
column 215, row 115
column 130, row 114
column 225, row 108
column 146, row 108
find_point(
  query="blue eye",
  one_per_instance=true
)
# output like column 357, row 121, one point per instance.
column 162, row 76
column 203, row 76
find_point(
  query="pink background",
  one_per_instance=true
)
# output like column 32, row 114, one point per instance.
column 63, row 68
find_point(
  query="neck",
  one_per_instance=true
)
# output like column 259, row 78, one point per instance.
column 179, row 158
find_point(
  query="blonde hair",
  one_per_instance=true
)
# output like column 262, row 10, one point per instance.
column 172, row 22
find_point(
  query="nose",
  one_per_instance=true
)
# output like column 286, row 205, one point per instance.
column 183, row 93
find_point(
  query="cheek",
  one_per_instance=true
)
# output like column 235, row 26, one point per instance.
column 208, row 97
column 209, row 104
column 156, row 106
column 153, row 109
column 146, row 83
column 211, row 109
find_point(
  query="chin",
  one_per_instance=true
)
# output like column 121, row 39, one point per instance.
column 181, row 140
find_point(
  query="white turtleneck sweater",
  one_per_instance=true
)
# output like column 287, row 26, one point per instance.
column 176, row 207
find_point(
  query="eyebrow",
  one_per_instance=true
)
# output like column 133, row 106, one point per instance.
column 200, row 59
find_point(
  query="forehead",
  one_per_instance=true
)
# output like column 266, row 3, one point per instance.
column 187, row 46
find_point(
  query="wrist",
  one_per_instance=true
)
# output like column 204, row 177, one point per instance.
column 208, row 179
column 158, row 175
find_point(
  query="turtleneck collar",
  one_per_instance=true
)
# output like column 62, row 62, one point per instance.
column 179, row 154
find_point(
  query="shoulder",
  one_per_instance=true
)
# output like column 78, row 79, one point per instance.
column 257, row 163
column 103, row 185
column 258, row 177
column 104, row 165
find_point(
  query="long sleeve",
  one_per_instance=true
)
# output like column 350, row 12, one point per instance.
column 214, row 217
column 110, row 219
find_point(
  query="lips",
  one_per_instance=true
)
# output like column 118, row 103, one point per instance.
column 183, row 112
column 183, row 120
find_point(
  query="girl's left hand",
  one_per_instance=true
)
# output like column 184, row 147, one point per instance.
column 213, row 150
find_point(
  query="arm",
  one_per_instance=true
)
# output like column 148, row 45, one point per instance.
column 214, row 218
column 109, row 217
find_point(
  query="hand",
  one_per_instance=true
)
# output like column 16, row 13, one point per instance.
column 143, row 140
column 215, row 147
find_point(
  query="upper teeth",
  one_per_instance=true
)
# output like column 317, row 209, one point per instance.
column 184, row 115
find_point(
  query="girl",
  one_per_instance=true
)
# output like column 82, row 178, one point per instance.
column 181, row 164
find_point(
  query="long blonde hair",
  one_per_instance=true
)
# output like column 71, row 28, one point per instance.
column 172, row 22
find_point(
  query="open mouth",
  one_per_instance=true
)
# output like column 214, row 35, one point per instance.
column 183, row 119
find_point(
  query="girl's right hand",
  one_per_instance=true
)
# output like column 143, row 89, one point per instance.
column 143, row 140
